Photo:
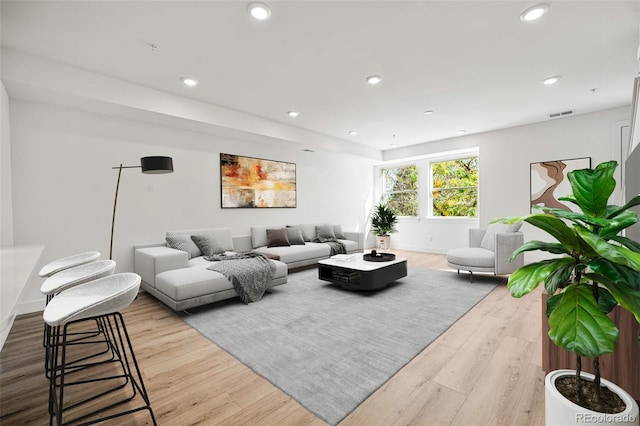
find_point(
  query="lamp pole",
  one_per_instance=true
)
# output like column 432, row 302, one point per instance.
column 151, row 165
column 115, row 203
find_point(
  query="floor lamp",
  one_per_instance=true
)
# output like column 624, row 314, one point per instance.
column 151, row 165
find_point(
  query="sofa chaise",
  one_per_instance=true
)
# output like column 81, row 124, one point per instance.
column 179, row 277
column 177, row 274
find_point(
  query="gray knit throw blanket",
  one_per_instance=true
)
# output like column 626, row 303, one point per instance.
column 336, row 247
column 250, row 273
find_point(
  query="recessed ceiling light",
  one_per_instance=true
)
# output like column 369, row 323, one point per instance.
column 462, row 132
column 259, row 11
column 428, row 112
column 353, row 132
column 551, row 80
column 534, row 12
column 394, row 145
column 374, row 79
column 293, row 113
column 190, row 81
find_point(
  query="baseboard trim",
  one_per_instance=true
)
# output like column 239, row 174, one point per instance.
column 5, row 328
column 30, row 307
column 422, row 249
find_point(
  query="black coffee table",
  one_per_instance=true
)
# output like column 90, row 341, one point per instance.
column 360, row 274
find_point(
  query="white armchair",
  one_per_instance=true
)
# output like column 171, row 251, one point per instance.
column 489, row 250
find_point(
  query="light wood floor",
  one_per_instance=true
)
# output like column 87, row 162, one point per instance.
column 485, row 370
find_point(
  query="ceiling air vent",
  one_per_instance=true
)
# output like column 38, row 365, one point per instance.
column 561, row 114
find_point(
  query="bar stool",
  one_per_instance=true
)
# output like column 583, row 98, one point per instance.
column 105, row 385
column 66, row 279
column 68, row 262
column 58, row 265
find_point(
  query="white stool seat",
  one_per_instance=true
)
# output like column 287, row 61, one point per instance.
column 66, row 279
column 68, row 262
column 71, row 277
column 99, row 297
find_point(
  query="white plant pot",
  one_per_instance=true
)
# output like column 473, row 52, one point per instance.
column 383, row 242
column 560, row 411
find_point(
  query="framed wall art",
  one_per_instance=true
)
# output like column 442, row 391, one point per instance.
column 549, row 182
column 248, row 182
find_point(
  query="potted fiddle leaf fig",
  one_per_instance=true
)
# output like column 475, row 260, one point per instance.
column 594, row 270
column 383, row 223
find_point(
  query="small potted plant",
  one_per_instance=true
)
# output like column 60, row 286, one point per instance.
column 383, row 223
column 594, row 270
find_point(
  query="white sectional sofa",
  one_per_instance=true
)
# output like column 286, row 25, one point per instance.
column 180, row 279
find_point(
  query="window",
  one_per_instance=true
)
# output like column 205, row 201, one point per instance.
column 400, row 189
column 441, row 185
column 454, row 188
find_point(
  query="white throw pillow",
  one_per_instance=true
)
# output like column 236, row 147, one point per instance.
column 514, row 227
column 488, row 241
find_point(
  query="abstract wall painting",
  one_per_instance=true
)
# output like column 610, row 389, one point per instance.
column 549, row 182
column 248, row 182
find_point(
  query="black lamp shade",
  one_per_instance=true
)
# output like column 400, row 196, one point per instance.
column 156, row 165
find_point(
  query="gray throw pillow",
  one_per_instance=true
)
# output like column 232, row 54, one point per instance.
column 295, row 236
column 184, row 243
column 337, row 230
column 277, row 238
column 304, row 234
column 325, row 233
column 207, row 244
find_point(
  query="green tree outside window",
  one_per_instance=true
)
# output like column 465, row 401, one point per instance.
column 400, row 189
column 454, row 187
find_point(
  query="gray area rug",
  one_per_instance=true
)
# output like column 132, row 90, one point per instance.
column 329, row 348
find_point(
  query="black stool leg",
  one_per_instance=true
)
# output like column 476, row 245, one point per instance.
column 122, row 349
column 97, row 337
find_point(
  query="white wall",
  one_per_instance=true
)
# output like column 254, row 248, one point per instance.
column 6, row 210
column 505, row 157
column 63, row 184
column 10, row 289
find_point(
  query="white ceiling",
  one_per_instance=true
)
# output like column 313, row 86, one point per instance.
column 473, row 62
